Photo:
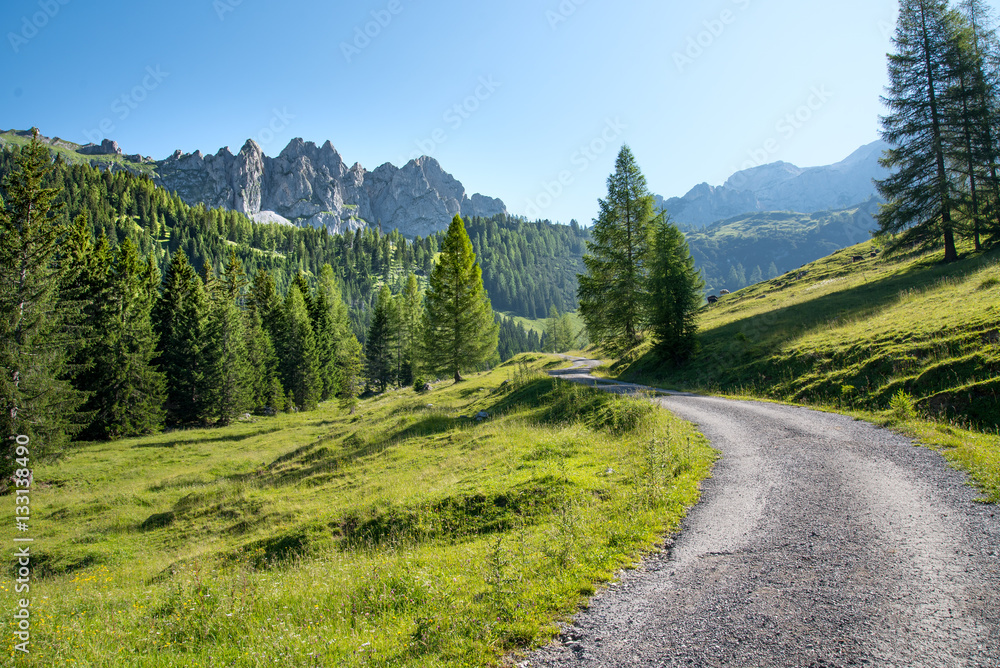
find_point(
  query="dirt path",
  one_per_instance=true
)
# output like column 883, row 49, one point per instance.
column 819, row 541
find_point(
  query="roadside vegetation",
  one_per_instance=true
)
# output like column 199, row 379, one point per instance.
column 409, row 533
column 907, row 340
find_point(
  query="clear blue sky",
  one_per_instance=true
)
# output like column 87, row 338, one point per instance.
column 508, row 96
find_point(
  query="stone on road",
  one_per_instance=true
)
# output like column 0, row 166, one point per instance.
column 819, row 541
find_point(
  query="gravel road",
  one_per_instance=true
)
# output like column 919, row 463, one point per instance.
column 819, row 541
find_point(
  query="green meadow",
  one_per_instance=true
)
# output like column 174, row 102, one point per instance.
column 410, row 533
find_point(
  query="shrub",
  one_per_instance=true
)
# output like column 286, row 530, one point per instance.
column 902, row 406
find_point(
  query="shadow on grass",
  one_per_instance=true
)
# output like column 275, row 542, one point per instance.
column 223, row 438
column 729, row 351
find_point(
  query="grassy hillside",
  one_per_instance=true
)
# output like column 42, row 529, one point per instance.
column 408, row 534
column 878, row 336
column 67, row 151
column 787, row 239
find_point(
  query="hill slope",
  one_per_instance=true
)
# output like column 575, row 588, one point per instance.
column 407, row 534
column 739, row 251
column 857, row 333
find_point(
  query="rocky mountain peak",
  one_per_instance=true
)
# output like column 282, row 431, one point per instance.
column 311, row 185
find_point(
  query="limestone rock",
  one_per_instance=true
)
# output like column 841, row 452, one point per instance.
column 312, row 185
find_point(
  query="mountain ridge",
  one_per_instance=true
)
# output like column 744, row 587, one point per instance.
column 782, row 186
column 305, row 185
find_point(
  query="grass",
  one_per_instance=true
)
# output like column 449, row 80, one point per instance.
column 67, row 150
column 408, row 534
column 881, row 336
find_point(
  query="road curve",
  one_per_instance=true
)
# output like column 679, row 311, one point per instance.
column 819, row 541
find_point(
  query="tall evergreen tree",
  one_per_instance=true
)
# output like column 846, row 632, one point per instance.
column 179, row 320
column 35, row 399
column 611, row 293
column 351, row 370
column 127, row 391
column 411, row 313
column 921, row 198
column 976, row 100
column 229, row 375
column 675, row 293
column 299, row 361
column 380, row 343
column 459, row 328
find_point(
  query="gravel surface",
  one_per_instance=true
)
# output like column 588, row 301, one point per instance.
column 819, row 541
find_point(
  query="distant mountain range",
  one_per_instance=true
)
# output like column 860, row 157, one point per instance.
column 305, row 185
column 780, row 186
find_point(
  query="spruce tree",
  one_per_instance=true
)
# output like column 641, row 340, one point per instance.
column 380, row 343
column 612, row 292
column 921, row 197
column 674, row 294
column 351, row 370
column 411, row 313
column 127, row 391
column 179, row 319
column 229, row 374
column 459, row 328
column 298, row 359
column 35, row 400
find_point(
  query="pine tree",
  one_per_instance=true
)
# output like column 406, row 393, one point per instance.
column 920, row 196
column 380, row 343
column 675, row 293
column 179, row 320
column 35, row 399
column 459, row 328
column 611, row 293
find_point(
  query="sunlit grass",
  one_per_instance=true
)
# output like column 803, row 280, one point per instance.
column 408, row 534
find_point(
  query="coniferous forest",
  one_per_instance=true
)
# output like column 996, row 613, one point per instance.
column 154, row 313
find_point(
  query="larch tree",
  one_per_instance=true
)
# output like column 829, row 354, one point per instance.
column 921, row 196
column 460, row 331
column 612, row 292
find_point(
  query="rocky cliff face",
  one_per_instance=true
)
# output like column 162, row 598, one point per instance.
column 312, row 185
column 781, row 186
